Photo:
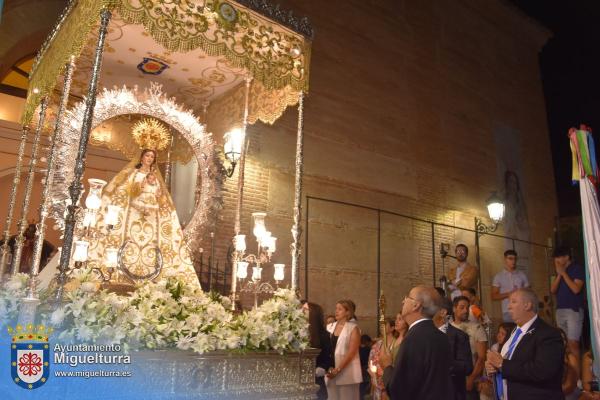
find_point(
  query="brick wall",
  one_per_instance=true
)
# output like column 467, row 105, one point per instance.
column 404, row 100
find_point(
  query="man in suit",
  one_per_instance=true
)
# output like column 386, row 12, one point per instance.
column 531, row 363
column 460, row 350
column 422, row 366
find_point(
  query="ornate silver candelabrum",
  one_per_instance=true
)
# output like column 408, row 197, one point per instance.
column 266, row 247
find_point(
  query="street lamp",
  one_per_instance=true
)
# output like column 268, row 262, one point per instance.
column 232, row 148
column 495, row 207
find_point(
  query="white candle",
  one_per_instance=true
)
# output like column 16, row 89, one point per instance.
column 256, row 273
column 240, row 243
column 81, row 251
column 111, row 218
column 242, row 269
column 111, row 257
column 279, row 273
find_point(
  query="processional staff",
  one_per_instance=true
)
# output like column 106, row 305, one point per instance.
column 382, row 322
column 488, row 331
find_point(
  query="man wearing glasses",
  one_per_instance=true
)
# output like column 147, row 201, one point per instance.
column 507, row 281
column 421, row 369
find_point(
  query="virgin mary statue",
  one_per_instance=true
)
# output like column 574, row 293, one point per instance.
column 147, row 217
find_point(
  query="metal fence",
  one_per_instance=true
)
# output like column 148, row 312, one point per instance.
column 380, row 250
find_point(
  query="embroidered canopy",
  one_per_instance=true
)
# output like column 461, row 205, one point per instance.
column 200, row 51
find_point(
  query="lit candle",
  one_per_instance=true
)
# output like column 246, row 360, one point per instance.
column 259, row 225
column 111, row 218
column 240, row 243
column 242, row 269
column 270, row 244
column 279, row 273
column 111, row 257
column 256, row 273
column 372, row 367
column 80, row 254
column 89, row 218
column 93, row 200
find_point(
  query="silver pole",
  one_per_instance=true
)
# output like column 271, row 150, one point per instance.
column 41, row 227
column 240, row 194
column 297, row 229
column 12, row 200
column 27, row 198
column 86, row 127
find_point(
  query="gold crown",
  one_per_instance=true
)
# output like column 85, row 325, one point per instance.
column 151, row 134
column 30, row 333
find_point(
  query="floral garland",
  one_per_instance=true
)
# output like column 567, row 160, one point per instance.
column 173, row 314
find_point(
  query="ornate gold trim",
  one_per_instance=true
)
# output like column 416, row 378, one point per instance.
column 274, row 55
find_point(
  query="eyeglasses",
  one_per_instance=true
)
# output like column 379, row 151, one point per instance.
column 410, row 298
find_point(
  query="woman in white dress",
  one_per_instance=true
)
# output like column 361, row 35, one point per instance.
column 343, row 380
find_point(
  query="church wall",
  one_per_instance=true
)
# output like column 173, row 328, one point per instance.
column 407, row 110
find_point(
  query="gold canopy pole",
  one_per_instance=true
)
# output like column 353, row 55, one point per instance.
column 86, row 127
column 31, row 175
column 12, row 200
column 240, row 194
column 41, row 226
column 297, row 229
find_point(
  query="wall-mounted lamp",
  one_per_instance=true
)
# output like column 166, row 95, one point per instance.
column 232, row 148
column 495, row 206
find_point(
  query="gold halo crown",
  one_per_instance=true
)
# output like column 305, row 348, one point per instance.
column 150, row 134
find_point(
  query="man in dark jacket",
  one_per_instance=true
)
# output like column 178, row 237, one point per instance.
column 531, row 363
column 462, row 359
column 421, row 369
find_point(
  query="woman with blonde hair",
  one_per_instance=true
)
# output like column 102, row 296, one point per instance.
column 343, row 380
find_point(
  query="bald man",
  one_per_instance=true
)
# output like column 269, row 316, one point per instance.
column 530, row 365
column 422, row 366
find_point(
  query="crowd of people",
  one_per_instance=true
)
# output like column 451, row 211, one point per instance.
column 440, row 344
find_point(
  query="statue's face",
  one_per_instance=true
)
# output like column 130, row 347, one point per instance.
column 148, row 158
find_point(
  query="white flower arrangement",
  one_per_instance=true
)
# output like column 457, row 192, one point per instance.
column 171, row 314
column 11, row 294
column 278, row 324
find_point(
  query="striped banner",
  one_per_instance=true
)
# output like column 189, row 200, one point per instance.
column 585, row 171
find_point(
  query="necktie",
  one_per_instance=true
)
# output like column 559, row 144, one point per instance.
column 511, row 348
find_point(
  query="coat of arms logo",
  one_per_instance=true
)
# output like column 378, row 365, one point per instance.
column 30, row 355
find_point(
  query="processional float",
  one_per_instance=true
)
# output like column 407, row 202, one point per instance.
column 232, row 63
column 228, row 64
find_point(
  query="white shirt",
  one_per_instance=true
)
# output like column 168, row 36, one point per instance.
column 506, row 281
column 455, row 290
column 459, row 270
column 524, row 330
column 417, row 321
column 444, row 328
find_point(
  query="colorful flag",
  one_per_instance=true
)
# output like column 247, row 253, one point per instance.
column 585, row 171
